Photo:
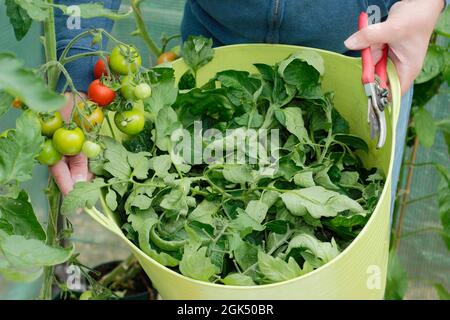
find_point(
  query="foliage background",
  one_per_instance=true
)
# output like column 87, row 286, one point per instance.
column 423, row 254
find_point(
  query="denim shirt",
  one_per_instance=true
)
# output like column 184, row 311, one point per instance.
column 321, row 24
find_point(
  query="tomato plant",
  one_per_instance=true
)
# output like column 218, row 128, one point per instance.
column 130, row 122
column 100, row 94
column 68, row 141
column 125, row 60
column 50, row 123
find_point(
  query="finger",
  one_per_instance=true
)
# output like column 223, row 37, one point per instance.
column 67, row 109
column 376, row 52
column 374, row 34
column 61, row 174
column 406, row 71
column 78, row 166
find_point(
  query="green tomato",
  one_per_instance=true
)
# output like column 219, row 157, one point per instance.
column 87, row 295
column 49, row 155
column 130, row 122
column 124, row 64
column 91, row 149
column 51, row 123
column 127, row 88
column 68, row 141
column 142, row 91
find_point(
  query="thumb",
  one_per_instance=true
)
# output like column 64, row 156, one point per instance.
column 374, row 34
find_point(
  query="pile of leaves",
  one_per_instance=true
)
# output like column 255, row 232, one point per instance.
column 238, row 223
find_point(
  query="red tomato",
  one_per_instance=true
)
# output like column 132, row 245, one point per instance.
column 100, row 68
column 100, row 94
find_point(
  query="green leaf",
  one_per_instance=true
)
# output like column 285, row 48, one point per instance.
column 433, row 65
column 19, row 19
column 116, row 157
column 237, row 173
column 303, row 76
column 349, row 178
column 36, row 9
column 278, row 226
column 304, row 179
column 142, row 222
column 242, row 89
column 177, row 201
column 140, row 164
column 444, row 203
column 19, row 149
column 166, row 124
column 325, row 251
column 204, row 212
column 295, row 125
column 246, row 254
column 161, row 165
column 13, row 273
column 164, row 92
column 354, row 142
column 111, row 199
column 20, row 216
column 257, row 210
column 397, row 278
column 425, row 127
column 276, row 269
column 195, row 264
column 442, row 292
column 31, row 253
column 187, row 81
column 14, row 78
column 245, row 224
column 322, row 178
column 238, row 279
column 197, row 51
column 84, row 194
column 319, row 202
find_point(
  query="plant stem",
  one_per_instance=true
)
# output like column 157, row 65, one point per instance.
column 142, row 29
column 405, row 197
column 50, row 47
column 121, row 268
column 54, row 200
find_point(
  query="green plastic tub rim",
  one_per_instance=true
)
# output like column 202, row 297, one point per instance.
column 108, row 220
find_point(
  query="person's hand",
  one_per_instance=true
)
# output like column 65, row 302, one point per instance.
column 70, row 170
column 407, row 31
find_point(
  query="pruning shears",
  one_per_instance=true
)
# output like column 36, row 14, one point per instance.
column 375, row 81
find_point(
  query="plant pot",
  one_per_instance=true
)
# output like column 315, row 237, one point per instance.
column 360, row 271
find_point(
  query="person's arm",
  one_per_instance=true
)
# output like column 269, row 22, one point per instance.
column 407, row 31
column 70, row 170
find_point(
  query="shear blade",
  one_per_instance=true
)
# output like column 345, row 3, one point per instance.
column 373, row 121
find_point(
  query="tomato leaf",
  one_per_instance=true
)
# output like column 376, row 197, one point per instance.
column 15, row 77
column 197, row 51
column 84, row 194
column 195, row 264
column 442, row 292
column 20, row 216
column 19, row 149
column 19, row 18
column 433, row 65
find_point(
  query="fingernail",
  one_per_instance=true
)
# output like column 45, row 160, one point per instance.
column 79, row 178
column 350, row 43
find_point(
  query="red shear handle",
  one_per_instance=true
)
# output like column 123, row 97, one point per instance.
column 368, row 68
column 381, row 68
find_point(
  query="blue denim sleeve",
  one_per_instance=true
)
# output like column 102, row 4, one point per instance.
column 80, row 70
